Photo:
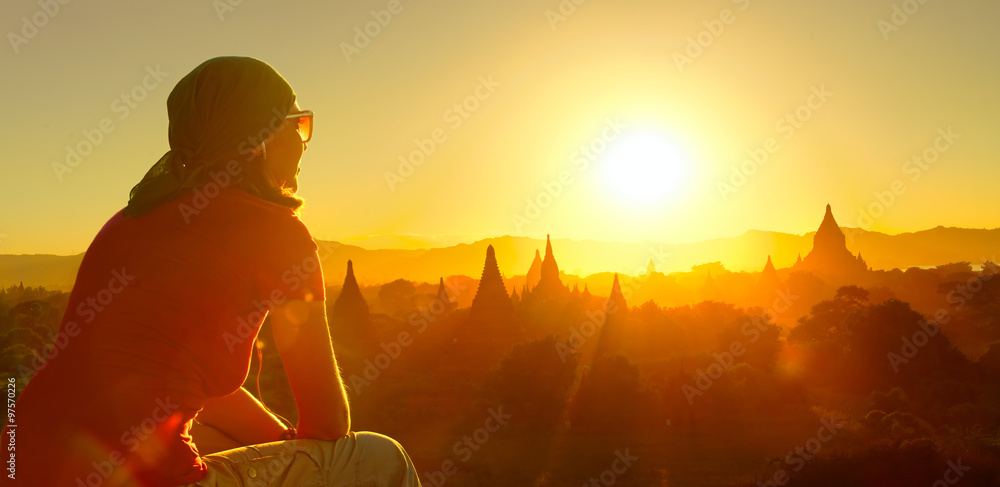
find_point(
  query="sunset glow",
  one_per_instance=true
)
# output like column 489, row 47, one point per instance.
column 512, row 94
column 543, row 243
column 646, row 170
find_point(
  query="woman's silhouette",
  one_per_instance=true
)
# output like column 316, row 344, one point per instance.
column 143, row 382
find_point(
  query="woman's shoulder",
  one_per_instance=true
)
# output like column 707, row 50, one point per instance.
column 266, row 216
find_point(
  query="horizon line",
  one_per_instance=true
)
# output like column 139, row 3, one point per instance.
column 464, row 242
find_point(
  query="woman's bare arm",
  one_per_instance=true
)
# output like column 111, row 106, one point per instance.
column 241, row 417
column 303, row 340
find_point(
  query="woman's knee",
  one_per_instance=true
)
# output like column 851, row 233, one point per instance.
column 371, row 441
column 382, row 449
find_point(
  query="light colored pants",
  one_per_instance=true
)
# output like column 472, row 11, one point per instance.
column 359, row 459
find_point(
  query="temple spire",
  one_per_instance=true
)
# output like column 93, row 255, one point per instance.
column 829, row 255
column 534, row 272
column 550, row 270
column 351, row 327
column 442, row 294
column 491, row 297
column 769, row 276
column 550, row 285
column 616, row 301
column 350, row 304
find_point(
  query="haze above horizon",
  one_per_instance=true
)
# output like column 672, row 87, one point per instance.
column 439, row 122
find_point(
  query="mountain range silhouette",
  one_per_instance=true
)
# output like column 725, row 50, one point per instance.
column 520, row 256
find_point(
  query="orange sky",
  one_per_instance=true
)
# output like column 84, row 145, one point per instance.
column 666, row 120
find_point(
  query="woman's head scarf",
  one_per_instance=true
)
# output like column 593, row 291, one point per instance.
column 218, row 113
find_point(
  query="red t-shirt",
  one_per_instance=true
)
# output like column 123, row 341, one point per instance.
column 163, row 315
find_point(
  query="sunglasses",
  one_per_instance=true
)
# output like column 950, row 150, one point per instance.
column 303, row 124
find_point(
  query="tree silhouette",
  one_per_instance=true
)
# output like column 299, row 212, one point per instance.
column 608, row 398
column 533, row 381
column 397, row 297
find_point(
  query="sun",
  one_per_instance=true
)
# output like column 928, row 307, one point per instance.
column 645, row 169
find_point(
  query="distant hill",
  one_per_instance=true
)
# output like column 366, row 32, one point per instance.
column 939, row 245
column 55, row 272
column 747, row 252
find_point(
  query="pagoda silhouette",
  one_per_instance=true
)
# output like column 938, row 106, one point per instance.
column 491, row 302
column 613, row 329
column 616, row 304
column 550, row 287
column 767, row 286
column 709, row 290
column 650, row 268
column 769, row 279
column 443, row 302
column 350, row 308
column 491, row 328
column 829, row 256
column 351, row 329
column 534, row 272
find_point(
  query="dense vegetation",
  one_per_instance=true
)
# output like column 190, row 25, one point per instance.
column 860, row 389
